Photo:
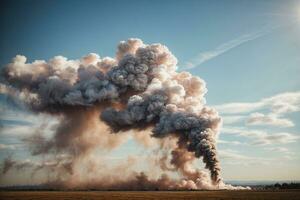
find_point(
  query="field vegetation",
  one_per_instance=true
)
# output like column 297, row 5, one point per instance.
column 153, row 195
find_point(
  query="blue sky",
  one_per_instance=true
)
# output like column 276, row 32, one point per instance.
column 252, row 70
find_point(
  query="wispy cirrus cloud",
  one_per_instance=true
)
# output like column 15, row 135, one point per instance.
column 260, row 119
column 230, row 142
column 7, row 146
column 280, row 150
column 280, row 103
column 205, row 56
column 232, row 157
column 260, row 137
column 232, row 154
column 221, row 49
column 285, row 152
column 232, row 119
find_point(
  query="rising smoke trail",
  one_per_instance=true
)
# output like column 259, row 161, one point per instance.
column 137, row 89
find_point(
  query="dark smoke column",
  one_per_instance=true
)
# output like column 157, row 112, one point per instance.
column 194, row 132
column 172, row 102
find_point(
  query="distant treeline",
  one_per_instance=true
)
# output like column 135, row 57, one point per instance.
column 283, row 186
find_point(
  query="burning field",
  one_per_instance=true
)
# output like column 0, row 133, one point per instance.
column 99, row 103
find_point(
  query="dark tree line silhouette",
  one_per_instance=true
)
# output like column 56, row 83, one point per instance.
column 284, row 186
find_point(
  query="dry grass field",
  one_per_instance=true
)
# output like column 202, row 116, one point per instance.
column 141, row 195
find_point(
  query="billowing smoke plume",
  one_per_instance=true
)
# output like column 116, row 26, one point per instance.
column 138, row 90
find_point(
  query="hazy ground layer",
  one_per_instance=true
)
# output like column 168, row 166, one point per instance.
column 216, row 195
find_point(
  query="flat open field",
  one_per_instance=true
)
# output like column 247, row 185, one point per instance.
column 141, row 195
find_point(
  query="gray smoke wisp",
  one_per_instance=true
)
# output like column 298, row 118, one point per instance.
column 138, row 89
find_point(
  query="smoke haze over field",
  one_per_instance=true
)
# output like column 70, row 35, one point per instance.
column 100, row 101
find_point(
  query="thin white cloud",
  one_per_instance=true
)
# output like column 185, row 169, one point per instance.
column 21, row 131
column 232, row 119
column 16, row 123
column 13, row 146
column 259, row 137
column 230, row 142
column 239, row 107
column 223, row 48
column 279, row 149
column 227, row 46
column 232, row 154
column 285, row 152
column 7, row 146
column 17, row 131
column 281, row 103
column 260, row 119
column 232, row 157
column 234, row 43
column 276, row 107
column 20, row 116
